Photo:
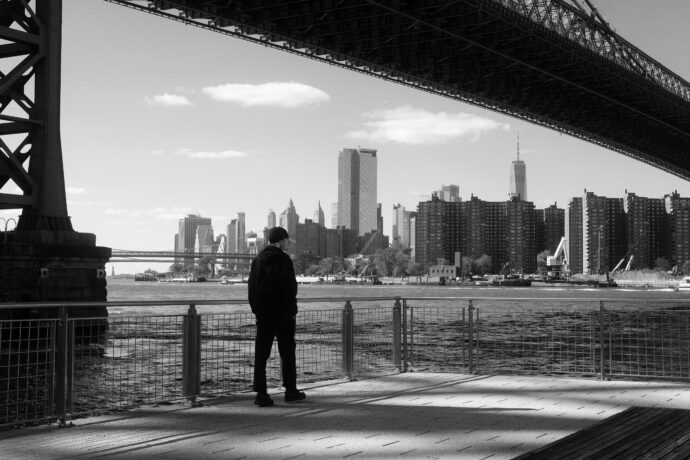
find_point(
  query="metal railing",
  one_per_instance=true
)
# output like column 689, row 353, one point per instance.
column 62, row 366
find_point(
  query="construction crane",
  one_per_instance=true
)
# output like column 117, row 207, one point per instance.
column 557, row 267
column 627, row 267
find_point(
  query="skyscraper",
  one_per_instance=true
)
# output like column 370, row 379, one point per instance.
column 187, row 236
column 236, row 242
column 319, row 216
column 518, row 177
column 288, row 220
column 334, row 215
column 357, row 189
column 449, row 193
column 203, row 243
column 401, row 227
column 271, row 218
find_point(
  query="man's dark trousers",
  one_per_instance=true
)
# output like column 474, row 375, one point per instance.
column 268, row 328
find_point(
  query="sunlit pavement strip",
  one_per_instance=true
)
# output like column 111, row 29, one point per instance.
column 413, row 415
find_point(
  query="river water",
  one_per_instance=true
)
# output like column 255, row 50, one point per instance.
column 129, row 290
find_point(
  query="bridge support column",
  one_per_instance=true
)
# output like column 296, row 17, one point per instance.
column 43, row 258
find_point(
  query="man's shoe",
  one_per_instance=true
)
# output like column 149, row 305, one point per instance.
column 263, row 400
column 294, row 396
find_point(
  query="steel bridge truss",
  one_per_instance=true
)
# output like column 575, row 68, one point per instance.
column 31, row 172
column 556, row 63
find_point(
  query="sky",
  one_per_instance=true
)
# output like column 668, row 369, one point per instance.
column 161, row 119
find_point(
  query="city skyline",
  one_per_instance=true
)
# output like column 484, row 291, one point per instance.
column 217, row 126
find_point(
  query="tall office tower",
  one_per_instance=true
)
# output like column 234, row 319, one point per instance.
column 449, row 193
column 319, row 216
column 678, row 211
column 357, row 189
column 203, row 243
column 573, row 234
column 518, row 177
column 520, row 236
column 380, row 241
column 554, row 227
column 603, row 233
column 271, row 218
column 232, row 232
column 334, row 215
column 401, row 227
column 646, row 234
column 187, row 236
column 288, row 220
column 438, row 230
column 176, row 245
column 241, row 242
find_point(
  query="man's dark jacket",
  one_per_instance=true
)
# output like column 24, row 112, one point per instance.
column 272, row 284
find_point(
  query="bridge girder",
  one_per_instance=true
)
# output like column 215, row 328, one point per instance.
column 544, row 61
column 30, row 114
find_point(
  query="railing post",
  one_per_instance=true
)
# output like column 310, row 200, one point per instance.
column 348, row 340
column 61, row 368
column 405, row 351
column 70, row 366
column 470, row 335
column 602, row 339
column 411, row 336
column 191, row 355
column 397, row 330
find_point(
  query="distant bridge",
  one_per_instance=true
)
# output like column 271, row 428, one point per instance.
column 126, row 255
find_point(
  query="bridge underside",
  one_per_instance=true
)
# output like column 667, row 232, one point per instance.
column 490, row 53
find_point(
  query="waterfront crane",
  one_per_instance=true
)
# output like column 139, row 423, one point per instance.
column 557, row 267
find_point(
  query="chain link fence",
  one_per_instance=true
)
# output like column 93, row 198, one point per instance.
column 51, row 369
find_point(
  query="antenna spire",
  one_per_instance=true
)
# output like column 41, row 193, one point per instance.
column 518, row 145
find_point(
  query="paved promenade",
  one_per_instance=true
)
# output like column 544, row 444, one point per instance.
column 413, row 415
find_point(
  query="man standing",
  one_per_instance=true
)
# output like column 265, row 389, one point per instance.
column 273, row 299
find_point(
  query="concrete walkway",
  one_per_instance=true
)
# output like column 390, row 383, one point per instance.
column 413, row 415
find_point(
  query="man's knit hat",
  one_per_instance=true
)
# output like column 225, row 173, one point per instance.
column 277, row 234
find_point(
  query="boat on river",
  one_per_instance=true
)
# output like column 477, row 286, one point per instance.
column 512, row 281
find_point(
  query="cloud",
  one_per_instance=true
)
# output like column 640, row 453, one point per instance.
column 272, row 94
column 99, row 204
column 161, row 213
column 174, row 213
column 168, row 100
column 203, row 155
column 76, row 191
column 407, row 125
column 120, row 212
